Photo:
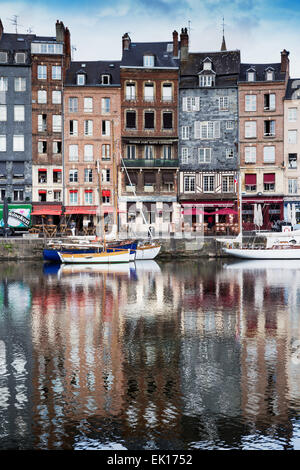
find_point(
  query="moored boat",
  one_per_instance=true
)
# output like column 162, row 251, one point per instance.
column 117, row 256
column 147, row 251
column 275, row 252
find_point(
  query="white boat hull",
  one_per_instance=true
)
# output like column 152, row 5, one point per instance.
column 292, row 253
column 147, row 252
column 102, row 257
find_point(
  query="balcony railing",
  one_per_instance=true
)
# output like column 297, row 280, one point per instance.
column 157, row 162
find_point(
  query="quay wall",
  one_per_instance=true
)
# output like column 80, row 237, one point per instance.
column 28, row 248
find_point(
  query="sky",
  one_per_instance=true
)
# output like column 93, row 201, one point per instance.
column 260, row 29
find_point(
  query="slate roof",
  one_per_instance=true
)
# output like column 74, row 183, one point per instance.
column 93, row 71
column 225, row 64
column 292, row 89
column 162, row 57
column 260, row 70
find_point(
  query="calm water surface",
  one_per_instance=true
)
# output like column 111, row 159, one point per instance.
column 176, row 355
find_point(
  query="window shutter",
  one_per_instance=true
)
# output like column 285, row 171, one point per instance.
column 217, row 129
column 184, row 103
column 197, row 104
column 197, row 130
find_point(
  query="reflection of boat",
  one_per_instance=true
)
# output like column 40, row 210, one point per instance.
column 259, row 264
column 147, row 251
column 111, row 268
column 147, row 266
column 118, row 256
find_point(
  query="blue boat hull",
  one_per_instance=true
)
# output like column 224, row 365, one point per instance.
column 52, row 254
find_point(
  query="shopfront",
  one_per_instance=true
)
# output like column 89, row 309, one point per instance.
column 270, row 208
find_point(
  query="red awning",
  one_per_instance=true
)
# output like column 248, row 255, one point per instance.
column 195, row 211
column 204, row 204
column 269, row 177
column 106, row 192
column 44, row 209
column 81, row 210
column 42, row 191
column 42, row 169
column 250, row 179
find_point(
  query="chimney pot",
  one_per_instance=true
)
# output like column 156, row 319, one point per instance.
column 126, row 41
column 175, row 43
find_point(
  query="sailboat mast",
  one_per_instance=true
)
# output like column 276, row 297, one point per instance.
column 100, row 203
column 115, row 192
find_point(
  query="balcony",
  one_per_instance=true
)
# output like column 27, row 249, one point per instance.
column 153, row 163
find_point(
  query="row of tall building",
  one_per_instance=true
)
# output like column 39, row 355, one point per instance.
column 164, row 132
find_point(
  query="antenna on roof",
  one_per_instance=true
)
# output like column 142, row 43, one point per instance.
column 29, row 30
column 223, row 46
column 74, row 48
column 189, row 30
column 14, row 22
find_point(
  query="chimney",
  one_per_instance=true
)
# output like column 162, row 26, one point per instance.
column 1, row 29
column 60, row 31
column 285, row 62
column 67, row 41
column 126, row 41
column 175, row 44
column 184, row 44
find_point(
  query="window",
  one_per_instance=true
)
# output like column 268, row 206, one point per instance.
column 250, row 154
column 292, row 185
column 189, row 184
column 130, row 152
column 42, row 146
column 88, row 197
column 185, row 132
column 106, row 199
column 106, row 128
column 184, row 155
column 88, row 175
column 269, row 102
column 56, row 123
column 88, row 128
column 42, row 72
column 191, row 103
column 269, row 154
column 2, row 194
column 130, row 91
column 130, row 119
column 18, row 195
column 250, row 182
column 42, row 196
column 206, row 80
column 292, row 114
column 57, row 147
column 2, row 143
column 56, row 72
column 250, row 76
column 3, row 57
column 46, row 48
column 105, row 105
column 56, row 97
column 73, row 197
column 20, row 57
column 167, row 152
column 20, row 84
column 73, row 105
column 204, row 155
column 42, row 122
column 18, row 170
column 3, row 84
column 73, row 176
column 19, row 112
column 149, row 120
column 228, row 184
column 269, row 182
column 80, row 79
column 292, row 136
column 57, row 196
column 149, row 152
column 149, row 92
column 223, row 103
column 269, row 128
column 105, row 152
column 88, row 105
column 207, row 65
column 167, row 120
column 73, row 153
column 229, row 153
column 42, row 176
column 106, row 175
column 105, row 79
column 3, row 112
column 73, row 127
column 250, row 102
column 269, row 75
column 229, row 125
column 88, row 153
column 206, row 129
column 250, row 129
column 292, row 161
column 148, row 61
column 208, row 183
column 57, row 177
column 18, row 143
column 42, row 96
column 167, row 92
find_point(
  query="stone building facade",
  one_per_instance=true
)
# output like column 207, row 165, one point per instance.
column 208, row 136
column 15, row 117
column 148, row 170
column 262, row 88
column 92, row 141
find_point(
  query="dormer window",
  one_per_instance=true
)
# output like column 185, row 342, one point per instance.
column 207, row 64
column 251, row 76
column 269, row 75
column 148, row 60
column 105, row 79
column 20, row 57
column 80, row 79
column 206, row 80
column 3, row 57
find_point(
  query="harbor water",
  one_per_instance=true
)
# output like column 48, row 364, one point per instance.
column 185, row 355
